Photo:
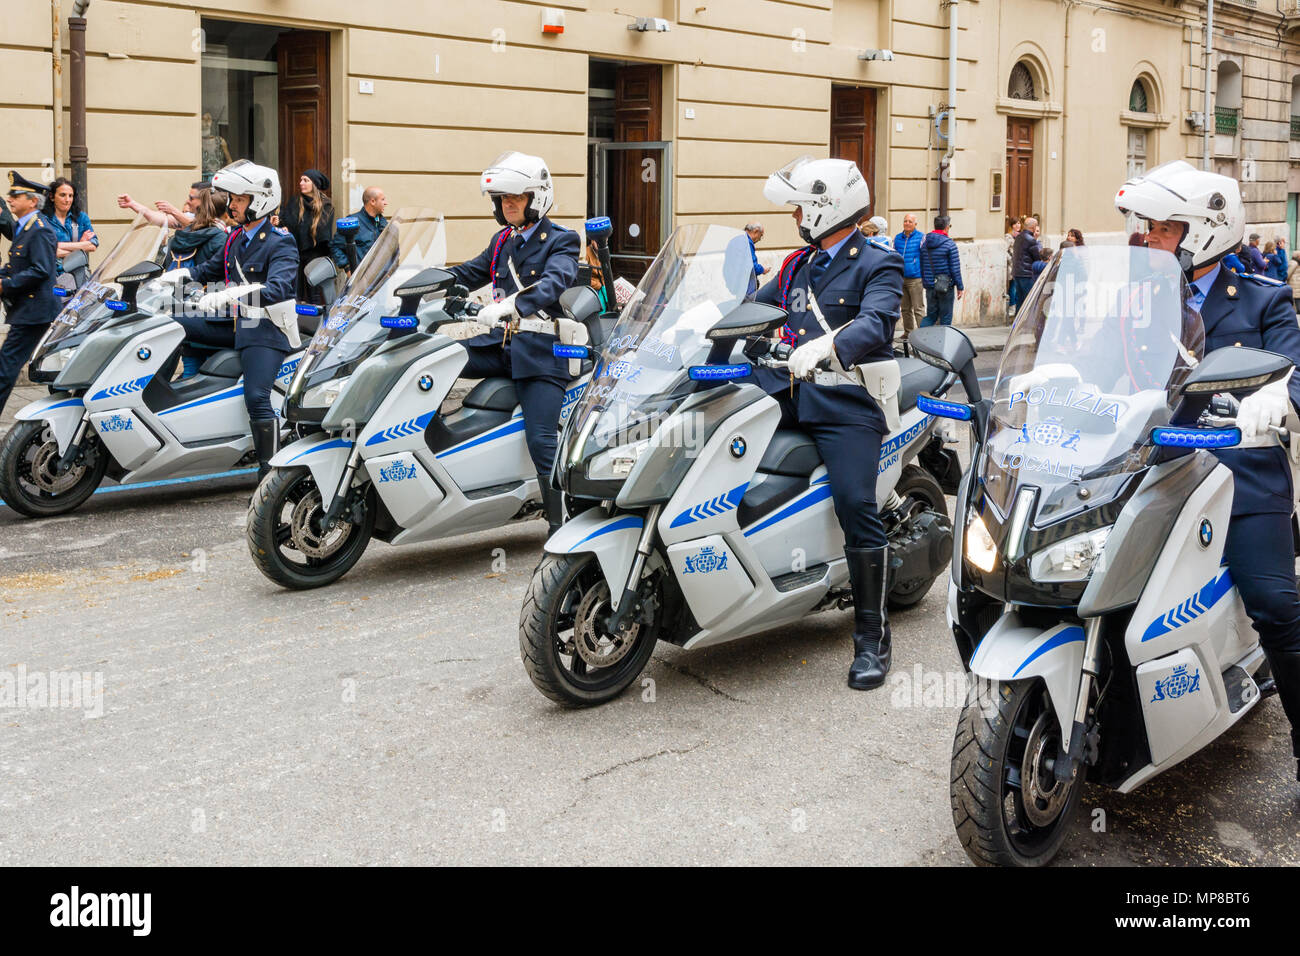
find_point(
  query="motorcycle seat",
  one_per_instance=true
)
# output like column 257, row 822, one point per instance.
column 493, row 395
column 790, row 453
column 222, row 364
column 917, row 377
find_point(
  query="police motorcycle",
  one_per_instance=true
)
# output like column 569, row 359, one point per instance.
column 109, row 414
column 695, row 519
column 1089, row 596
column 379, row 458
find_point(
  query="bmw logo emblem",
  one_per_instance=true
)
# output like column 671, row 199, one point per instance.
column 143, row 353
column 426, row 383
column 738, row 447
column 1205, row 534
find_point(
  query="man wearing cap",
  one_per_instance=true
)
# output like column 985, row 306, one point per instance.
column 1255, row 263
column 26, row 280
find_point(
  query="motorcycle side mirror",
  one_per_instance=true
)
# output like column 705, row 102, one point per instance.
column 946, row 348
column 1234, row 369
column 425, row 282
column 748, row 318
column 131, row 279
column 580, row 303
column 320, row 274
column 75, row 260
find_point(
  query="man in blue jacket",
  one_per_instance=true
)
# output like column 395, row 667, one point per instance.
column 370, row 223
column 908, row 245
column 940, row 274
column 26, row 281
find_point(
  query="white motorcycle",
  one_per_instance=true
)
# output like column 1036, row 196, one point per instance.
column 1089, row 597
column 109, row 413
column 697, row 520
column 383, row 460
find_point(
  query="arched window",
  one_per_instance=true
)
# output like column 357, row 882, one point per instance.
column 1295, row 108
column 1020, row 86
column 1227, row 99
column 1139, row 100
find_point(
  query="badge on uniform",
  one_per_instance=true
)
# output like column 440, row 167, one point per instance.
column 853, row 251
column 1232, row 291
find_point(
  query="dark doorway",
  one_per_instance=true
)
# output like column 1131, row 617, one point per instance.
column 628, row 180
column 304, row 104
column 853, row 131
column 1020, row 166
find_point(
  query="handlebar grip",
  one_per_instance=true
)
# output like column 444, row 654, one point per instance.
column 473, row 308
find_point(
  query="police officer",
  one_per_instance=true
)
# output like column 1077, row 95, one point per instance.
column 256, row 252
column 370, row 223
column 1199, row 217
column 843, row 295
column 535, row 253
column 26, row 281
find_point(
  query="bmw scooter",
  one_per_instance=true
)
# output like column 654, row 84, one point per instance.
column 1089, row 597
column 696, row 521
column 380, row 458
column 109, row 413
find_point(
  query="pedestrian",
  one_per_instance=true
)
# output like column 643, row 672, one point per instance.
column 908, row 245
column 1233, row 260
column 72, row 227
column 1075, row 237
column 1014, row 225
column 1044, row 257
column 940, row 274
column 370, row 223
column 754, row 231
column 26, row 280
column 1275, row 257
column 309, row 217
column 1254, row 259
column 544, row 256
column 1024, row 254
column 1293, row 280
column 876, row 229
column 592, row 257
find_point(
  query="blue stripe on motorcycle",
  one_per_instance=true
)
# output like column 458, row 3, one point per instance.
column 336, row 443
column 622, row 524
column 1068, row 636
column 215, row 397
column 514, row 425
column 65, row 404
column 812, row 497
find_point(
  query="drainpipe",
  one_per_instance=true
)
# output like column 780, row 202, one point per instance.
column 56, row 56
column 1065, row 120
column 946, row 161
column 1209, row 61
column 77, row 152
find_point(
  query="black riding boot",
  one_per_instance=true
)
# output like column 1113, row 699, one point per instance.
column 266, row 442
column 1286, row 671
column 872, row 646
column 552, row 505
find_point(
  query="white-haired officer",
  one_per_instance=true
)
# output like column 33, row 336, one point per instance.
column 1200, row 218
column 843, row 295
column 528, row 264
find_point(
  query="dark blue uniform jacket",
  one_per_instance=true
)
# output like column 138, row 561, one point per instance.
column 28, row 289
column 271, row 258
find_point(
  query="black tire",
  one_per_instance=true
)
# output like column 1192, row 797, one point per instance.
column 560, row 585
column 994, row 734
column 271, row 536
column 27, row 482
column 918, row 489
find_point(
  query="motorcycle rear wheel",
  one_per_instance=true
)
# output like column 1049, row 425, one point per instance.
column 29, row 483
column 1007, row 806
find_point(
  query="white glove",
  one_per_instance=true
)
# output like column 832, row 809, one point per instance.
column 1262, row 408
column 805, row 357
column 175, row 276
column 497, row 311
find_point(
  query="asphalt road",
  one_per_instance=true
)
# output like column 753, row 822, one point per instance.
column 387, row 719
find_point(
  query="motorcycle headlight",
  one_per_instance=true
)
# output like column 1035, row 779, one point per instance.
column 616, row 462
column 981, row 549
column 323, row 396
column 1070, row 560
column 55, row 361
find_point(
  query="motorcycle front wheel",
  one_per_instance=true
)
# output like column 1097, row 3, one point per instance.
column 567, row 651
column 1007, row 805
column 29, row 480
column 286, row 538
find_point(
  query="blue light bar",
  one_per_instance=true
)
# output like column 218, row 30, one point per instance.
column 399, row 321
column 570, row 351
column 117, row 305
column 347, row 224
column 713, row 373
column 937, row 406
column 61, row 291
column 1196, row 437
column 305, row 309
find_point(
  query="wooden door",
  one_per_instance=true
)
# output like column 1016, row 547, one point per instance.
column 853, row 131
column 304, row 106
column 1020, row 166
column 635, row 174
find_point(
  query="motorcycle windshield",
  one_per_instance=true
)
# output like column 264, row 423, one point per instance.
column 1090, row 367
column 701, row 274
column 412, row 241
column 85, row 310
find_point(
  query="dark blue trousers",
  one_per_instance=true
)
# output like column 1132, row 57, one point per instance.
column 15, row 352
column 851, row 454
column 540, row 398
column 1261, row 557
column 938, row 306
column 259, row 363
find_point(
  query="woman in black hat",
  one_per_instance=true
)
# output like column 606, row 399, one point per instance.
column 309, row 217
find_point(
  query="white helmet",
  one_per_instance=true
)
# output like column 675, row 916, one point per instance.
column 881, row 224
column 831, row 193
column 1208, row 203
column 260, row 183
column 514, row 174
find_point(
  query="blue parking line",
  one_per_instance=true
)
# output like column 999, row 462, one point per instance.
column 171, row 481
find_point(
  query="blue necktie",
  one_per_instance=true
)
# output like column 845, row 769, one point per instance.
column 821, row 262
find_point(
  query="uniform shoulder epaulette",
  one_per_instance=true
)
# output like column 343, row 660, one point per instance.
column 1263, row 280
column 882, row 244
column 280, row 230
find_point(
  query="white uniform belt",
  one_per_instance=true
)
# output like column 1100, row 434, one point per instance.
column 831, row 379
column 537, row 325
column 252, row 312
